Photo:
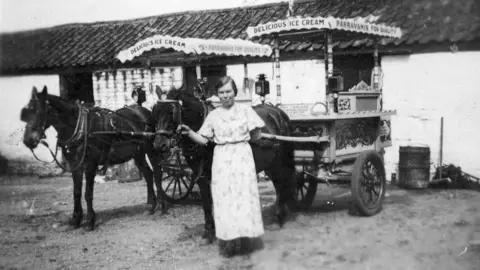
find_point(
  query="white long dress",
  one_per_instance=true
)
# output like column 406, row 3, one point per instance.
column 236, row 200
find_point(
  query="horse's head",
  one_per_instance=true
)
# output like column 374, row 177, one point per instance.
column 35, row 115
column 178, row 107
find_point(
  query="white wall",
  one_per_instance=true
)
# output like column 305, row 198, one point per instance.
column 424, row 87
column 301, row 81
column 16, row 92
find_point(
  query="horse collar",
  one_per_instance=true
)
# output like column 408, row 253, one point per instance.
column 80, row 129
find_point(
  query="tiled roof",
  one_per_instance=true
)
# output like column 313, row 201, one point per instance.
column 96, row 44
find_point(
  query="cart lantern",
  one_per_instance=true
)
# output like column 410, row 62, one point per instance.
column 262, row 86
column 335, row 82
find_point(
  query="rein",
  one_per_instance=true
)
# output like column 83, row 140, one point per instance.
column 174, row 102
column 79, row 132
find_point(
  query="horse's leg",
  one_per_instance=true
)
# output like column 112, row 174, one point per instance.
column 207, row 203
column 142, row 165
column 283, row 180
column 77, row 176
column 280, row 208
column 90, row 172
column 157, row 174
column 77, row 216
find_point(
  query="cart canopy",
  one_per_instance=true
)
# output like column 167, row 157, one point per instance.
column 320, row 23
column 228, row 47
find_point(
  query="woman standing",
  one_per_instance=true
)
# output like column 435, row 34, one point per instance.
column 236, row 200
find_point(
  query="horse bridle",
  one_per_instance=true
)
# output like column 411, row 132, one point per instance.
column 77, row 135
column 177, row 104
column 39, row 127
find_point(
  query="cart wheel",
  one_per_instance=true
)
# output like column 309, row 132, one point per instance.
column 178, row 179
column 306, row 189
column 368, row 183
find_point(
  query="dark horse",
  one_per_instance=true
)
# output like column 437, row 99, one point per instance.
column 85, row 151
column 275, row 158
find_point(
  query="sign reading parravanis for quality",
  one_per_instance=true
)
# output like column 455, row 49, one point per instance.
column 309, row 23
column 236, row 47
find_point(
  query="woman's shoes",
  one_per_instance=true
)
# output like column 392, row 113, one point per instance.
column 226, row 248
column 239, row 246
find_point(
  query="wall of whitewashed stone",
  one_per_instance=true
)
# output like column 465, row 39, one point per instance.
column 113, row 89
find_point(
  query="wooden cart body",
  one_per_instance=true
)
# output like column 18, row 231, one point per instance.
column 351, row 127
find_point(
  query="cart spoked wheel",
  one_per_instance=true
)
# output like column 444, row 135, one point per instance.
column 368, row 183
column 306, row 188
column 178, row 178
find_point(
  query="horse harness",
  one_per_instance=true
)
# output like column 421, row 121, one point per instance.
column 81, row 133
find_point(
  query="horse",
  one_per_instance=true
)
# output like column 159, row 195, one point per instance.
column 275, row 158
column 76, row 124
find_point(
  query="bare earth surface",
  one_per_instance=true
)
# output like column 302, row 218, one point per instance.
column 416, row 230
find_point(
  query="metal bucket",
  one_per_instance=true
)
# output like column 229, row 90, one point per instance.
column 414, row 167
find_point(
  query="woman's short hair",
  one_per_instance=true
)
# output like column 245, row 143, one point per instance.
column 222, row 81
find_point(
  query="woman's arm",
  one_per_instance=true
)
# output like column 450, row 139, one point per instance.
column 197, row 138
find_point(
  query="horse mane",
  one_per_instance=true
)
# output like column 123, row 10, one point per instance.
column 189, row 99
column 191, row 105
column 59, row 102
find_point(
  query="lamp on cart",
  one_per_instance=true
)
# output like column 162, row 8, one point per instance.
column 262, row 87
column 335, row 85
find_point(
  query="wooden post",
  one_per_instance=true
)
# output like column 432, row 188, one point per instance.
column 245, row 80
column 290, row 8
column 277, row 70
column 441, row 147
column 375, row 83
column 328, row 58
column 198, row 71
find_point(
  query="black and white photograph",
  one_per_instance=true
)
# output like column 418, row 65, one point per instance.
column 240, row 134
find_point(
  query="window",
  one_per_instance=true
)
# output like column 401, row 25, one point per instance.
column 354, row 69
column 212, row 73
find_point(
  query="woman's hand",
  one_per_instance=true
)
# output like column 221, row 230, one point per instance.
column 183, row 128
column 256, row 134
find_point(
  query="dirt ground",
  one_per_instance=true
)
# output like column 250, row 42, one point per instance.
column 416, row 230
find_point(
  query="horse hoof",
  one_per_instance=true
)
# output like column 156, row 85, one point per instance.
column 205, row 241
column 89, row 228
column 274, row 227
column 149, row 212
column 72, row 227
column 74, row 223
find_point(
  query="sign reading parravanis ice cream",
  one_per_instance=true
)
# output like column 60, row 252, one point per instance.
column 237, row 47
column 292, row 24
column 230, row 47
column 367, row 28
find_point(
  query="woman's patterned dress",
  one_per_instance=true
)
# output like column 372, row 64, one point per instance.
column 236, row 200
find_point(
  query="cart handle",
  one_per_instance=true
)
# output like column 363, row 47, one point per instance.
column 314, row 139
column 324, row 105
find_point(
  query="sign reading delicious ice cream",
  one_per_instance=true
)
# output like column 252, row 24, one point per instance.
column 155, row 42
column 323, row 23
column 196, row 45
column 287, row 25
column 150, row 44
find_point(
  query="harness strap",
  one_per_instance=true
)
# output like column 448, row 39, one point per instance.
column 139, row 114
